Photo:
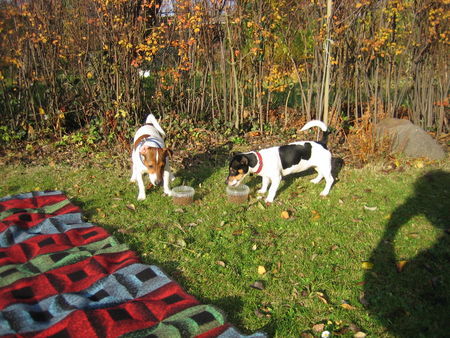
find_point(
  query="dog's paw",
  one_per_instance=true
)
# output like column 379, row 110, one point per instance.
column 141, row 197
column 132, row 180
column 168, row 193
column 323, row 194
column 260, row 191
column 315, row 180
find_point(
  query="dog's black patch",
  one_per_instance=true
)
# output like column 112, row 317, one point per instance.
column 252, row 160
column 243, row 162
column 324, row 145
column 292, row 154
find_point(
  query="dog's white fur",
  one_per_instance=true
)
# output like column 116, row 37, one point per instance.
column 272, row 171
column 156, row 140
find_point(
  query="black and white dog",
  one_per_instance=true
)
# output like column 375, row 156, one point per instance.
column 275, row 162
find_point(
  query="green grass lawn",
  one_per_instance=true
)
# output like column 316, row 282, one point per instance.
column 315, row 277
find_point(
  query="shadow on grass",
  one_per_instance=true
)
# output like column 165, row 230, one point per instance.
column 200, row 166
column 336, row 166
column 414, row 301
column 230, row 307
column 87, row 213
column 126, row 236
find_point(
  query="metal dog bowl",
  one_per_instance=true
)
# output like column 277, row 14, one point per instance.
column 238, row 194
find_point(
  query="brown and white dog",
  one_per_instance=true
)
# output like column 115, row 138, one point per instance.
column 149, row 155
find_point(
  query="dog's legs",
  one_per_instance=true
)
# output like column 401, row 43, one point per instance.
column 166, row 181
column 133, row 175
column 265, row 184
column 140, row 182
column 132, row 179
column 273, row 188
column 318, row 178
column 167, row 178
column 328, row 180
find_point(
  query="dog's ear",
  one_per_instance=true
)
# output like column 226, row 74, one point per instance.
column 244, row 160
column 168, row 151
column 143, row 149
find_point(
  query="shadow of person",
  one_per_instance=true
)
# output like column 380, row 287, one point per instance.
column 414, row 301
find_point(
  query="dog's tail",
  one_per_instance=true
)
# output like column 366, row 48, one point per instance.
column 322, row 126
column 151, row 119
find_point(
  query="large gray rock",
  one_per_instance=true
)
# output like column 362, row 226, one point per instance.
column 409, row 139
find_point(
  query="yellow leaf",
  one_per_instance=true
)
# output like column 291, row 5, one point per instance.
column 367, row 265
column 358, row 5
column 41, row 111
column 261, row 270
column 285, row 214
column 401, row 265
column 318, row 327
column 347, row 306
column 315, row 215
column 131, row 206
column 321, row 296
column 221, row 263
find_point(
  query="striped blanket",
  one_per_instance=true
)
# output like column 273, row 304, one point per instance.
column 62, row 277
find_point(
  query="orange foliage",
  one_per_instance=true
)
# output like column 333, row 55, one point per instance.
column 360, row 139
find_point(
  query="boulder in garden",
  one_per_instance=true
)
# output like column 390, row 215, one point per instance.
column 409, row 139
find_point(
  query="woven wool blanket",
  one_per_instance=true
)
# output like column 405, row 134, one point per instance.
column 62, row 277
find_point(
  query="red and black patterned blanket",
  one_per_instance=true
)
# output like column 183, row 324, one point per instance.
column 62, row 277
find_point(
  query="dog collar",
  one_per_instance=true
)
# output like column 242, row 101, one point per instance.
column 151, row 139
column 260, row 162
